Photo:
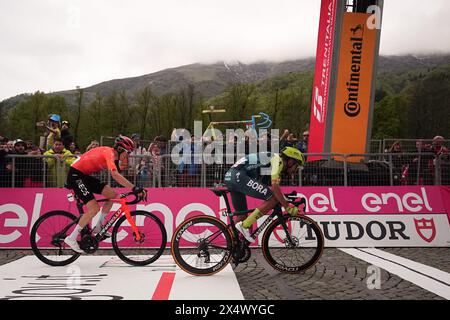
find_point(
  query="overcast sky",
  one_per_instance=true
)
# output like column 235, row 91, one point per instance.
column 52, row 45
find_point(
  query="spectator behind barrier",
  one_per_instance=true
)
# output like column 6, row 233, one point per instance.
column 399, row 163
column 157, row 165
column 58, row 164
column 420, row 169
column 92, row 145
column 138, row 164
column 442, row 159
column 188, row 172
column 288, row 139
column 437, row 148
column 162, row 144
column 29, row 146
column 66, row 136
column 73, row 147
column 21, row 166
column 303, row 144
column 5, row 165
column 52, row 130
column 10, row 146
column 35, row 165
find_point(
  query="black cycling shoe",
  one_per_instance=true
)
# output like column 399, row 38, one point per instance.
column 105, row 236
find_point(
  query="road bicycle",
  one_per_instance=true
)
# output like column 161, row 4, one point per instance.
column 204, row 245
column 138, row 237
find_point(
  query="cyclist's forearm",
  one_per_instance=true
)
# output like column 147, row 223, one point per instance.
column 120, row 179
column 279, row 194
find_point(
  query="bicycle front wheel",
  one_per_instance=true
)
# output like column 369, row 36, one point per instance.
column 47, row 238
column 292, row 244
column 202, row 245
column 146, row 250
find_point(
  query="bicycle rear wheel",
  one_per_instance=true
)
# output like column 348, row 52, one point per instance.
column 144, row 251
column 202, row 245
column 47, row 238
column 292, row 244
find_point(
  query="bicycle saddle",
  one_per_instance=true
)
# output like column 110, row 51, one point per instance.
column 220, row 191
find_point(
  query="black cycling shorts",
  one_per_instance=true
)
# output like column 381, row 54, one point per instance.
column 242, row 185
column 83, row 185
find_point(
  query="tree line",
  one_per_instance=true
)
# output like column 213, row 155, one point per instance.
column 408, row 104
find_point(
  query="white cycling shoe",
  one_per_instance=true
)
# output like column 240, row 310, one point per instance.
column 245, row 232
column 73, row 244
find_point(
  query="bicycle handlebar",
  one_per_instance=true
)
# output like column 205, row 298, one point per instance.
column 136, row 197
column 292, row 195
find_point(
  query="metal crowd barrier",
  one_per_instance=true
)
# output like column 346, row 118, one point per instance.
column 21, row 171
column 374, row 169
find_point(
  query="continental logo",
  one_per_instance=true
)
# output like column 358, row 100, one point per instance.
column 352, row 107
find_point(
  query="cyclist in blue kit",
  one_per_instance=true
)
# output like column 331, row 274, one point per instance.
column 250, row 176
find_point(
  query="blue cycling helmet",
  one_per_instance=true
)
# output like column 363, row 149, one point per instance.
column 55, row 117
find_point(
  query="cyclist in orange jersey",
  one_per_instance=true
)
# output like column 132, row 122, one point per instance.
column 79, row 179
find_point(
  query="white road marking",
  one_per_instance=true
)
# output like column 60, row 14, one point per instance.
column 107, row 277
column 416, row 266
column 222, row 283
column 409, row 271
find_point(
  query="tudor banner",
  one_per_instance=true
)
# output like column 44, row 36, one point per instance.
column 352, row 105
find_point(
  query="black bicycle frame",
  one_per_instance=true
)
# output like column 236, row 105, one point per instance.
column 109, row 224
column 104, row 229
column 275, row 213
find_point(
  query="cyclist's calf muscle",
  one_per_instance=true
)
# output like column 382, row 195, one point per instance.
column 268, row 205
column 92, row 209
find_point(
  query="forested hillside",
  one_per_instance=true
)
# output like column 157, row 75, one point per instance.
column 412, row 100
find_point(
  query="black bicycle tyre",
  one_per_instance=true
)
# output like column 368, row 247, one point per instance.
column 178, row 257
column 319, row 248
column 123, row 256
column 35, row 248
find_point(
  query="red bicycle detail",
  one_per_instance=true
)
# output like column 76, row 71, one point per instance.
column 138, row 237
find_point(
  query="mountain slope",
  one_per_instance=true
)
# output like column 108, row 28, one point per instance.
column 210, row 80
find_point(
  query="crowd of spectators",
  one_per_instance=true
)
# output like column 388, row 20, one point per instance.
column 418, row 167
column 46, row 164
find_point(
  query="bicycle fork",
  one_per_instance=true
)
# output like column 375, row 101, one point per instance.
column 135, row 229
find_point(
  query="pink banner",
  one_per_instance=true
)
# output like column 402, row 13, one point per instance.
column 372, row 200
column 20, row 208
column 324, row 55
column 445, row 192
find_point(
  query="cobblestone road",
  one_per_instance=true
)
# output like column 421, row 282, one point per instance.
column 337, row 275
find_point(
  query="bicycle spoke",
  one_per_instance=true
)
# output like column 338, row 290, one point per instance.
column 42, row 238
column 144, row 250
column 295, row 251
column 201, row 246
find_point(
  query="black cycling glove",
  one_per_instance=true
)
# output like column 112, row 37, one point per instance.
column 140, row 191
column 137, row 189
